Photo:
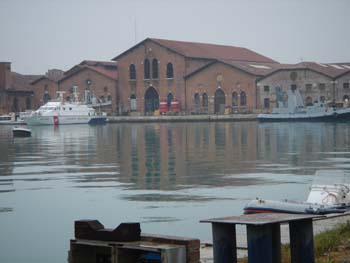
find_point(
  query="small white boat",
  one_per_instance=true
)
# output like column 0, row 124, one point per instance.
column 60, row 112
column 296, row 111
column 329, row 193
column 21, row 132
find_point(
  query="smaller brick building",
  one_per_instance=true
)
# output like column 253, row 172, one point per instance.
column 96, row 83
column 45, row 88
column 16, row 93
column 316, row 82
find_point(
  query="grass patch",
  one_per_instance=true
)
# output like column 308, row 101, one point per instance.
column 331, row 246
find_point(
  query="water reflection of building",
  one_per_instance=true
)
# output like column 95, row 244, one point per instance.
column 171, row 156
column 166, row 156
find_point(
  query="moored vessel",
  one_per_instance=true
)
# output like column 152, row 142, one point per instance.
column 296, row 111
column 60, row 112
column 21, row 132
column 329, row 193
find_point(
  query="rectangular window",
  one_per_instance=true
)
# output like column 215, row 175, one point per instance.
column 266, row 88
column 293, row 87
column 308, row 87
column 346, row 85
column 266, row 103
column 322, row 87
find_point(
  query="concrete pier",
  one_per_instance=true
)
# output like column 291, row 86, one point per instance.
column 183, row 118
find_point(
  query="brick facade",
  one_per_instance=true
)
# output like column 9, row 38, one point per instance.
column 237, row 86
column 44, row 89
column 342, row 88
column 139, row 86
column 135, row 87
column 16, row 94
column 92, row 87
column 313, row 86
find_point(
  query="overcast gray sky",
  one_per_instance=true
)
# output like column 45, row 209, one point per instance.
column 40, row 34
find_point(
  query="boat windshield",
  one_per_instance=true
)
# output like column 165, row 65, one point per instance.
column 331, row 177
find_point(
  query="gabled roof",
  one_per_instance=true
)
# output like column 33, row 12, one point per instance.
column 330, row 70
column 42, row 78
column 109, row 73
column 99, row 63
column 251, row 68
column 110, row 65
column 22, row 82
column 206, row 51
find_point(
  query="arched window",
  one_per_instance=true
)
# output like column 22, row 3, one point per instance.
column 132, row 72
column 28, row 103
column 15, row 105
column 234, row 99
column 155, row 68
column 243, row 99
column 197, row 101
column 147, row 72
column 169, row 71
column 205, row 100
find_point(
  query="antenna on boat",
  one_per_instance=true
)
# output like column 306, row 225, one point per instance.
column 75, row 93
column 60, row 95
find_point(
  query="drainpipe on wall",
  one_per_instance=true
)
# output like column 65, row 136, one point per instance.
column 256, row 94
column 334, row 91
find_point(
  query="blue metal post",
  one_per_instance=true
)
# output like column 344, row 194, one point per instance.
column 264, row 243
column 224, row 243
column 301, row 241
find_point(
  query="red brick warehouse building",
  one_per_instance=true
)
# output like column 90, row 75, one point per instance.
column 205, row 78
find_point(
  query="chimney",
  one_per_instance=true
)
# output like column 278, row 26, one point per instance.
column 5, row 75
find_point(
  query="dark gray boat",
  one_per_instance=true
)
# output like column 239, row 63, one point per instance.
column 21, row 132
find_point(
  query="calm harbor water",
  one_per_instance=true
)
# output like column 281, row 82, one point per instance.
column 166, row 176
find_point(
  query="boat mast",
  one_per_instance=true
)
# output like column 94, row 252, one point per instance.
column 60, row 95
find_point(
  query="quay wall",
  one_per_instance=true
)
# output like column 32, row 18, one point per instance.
column 188, row 118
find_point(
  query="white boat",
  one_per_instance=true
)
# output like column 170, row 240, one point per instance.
column 296, row 111
column 21, row 132
column 60, row 112
column 329, row 193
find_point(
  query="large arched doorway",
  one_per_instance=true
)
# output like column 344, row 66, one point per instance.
column 151, row 100
column 219, row 101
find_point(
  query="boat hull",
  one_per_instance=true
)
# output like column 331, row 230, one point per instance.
column 272, row 206
column 21, row 132
column 64, row 120
column 304, row 117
